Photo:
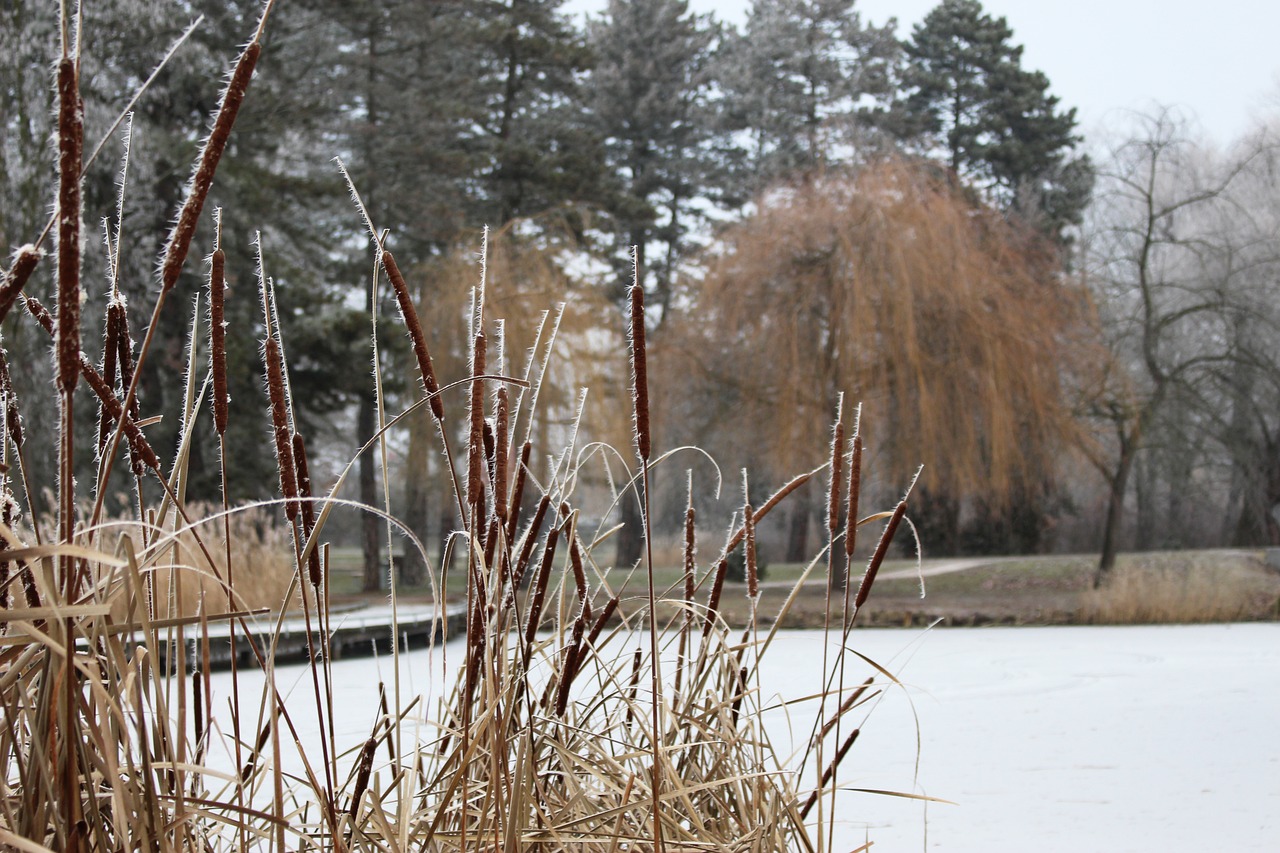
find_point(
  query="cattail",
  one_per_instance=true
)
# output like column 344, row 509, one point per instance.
column 569, row 669
column 501, row 414
column 579, row 572
column 690, row 549
column 881, row 549
column 218, row 340
column 280, row 424
column 180, row 239
column 540, row 586
column 137, row 441
column 110, row 354
column 306, row 507
column 829, row 772
column 70, row 156
column 364, row 768
column 426, row 371
column 713, row 598
column 530, row 536
column 855, row 487
column 475, row 444
column 124, row 351
column 24, row 263
column 740, row 693
column 610, row 607
column 490, row 449
column 640, row 371
column 837, row 471
column 517, row 493
column 752, row 568
column 633, row 686
column 776, row 498
column 261, row 744
column 851, row 701
column 12, row 414
column 197, row 691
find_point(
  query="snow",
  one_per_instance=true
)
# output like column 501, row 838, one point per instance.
column 1046, row 739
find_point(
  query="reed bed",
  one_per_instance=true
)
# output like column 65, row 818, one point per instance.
column 567, row 727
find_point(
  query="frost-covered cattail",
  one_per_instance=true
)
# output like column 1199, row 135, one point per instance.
column 881, row 549
column 540, row 586
column 475, row 444
column 70, row 156
column 184, row 230
column 280, row 427
column 364, row 768
column 837, row 471
column 530, row 536
column 517, row 493
column 218, row 339
column 409, row 314
column 306, row 507
column 752, row 567
column 610, row 607
column 690, row 550
column 573, row 654
column 24, row 263
column 9, row 399
column 713, row 598
column 639, row 371
column 855, row 487
column 501, row 425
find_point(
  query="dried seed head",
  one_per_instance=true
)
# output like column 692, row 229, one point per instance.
column 426, row 371
column 364, row 768
column 639, row 372
column 306, row 507
column 752, row 568
column 501, row 417
column 837, row 471
column 517, row 493
column 713, row 598
column 475, row 445
column 9, row 400
column 24, row 263
column 540, row 586
column 855, row 486
column 690, row 551
column 218, row 339
column 881, row 549
column 180, row 239
column 70, row 156
column 280, row 425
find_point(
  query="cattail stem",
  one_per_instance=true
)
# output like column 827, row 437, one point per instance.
column 70, row 154
column 307, row 510
column 218, row 340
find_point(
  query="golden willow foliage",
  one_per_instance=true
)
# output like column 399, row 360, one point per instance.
column 890, row 286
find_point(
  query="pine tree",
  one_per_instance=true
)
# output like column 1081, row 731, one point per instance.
column 800, row 82
column 650, row 98
column 1001, row 130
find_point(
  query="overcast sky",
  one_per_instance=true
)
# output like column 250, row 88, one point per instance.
column 1218, row 58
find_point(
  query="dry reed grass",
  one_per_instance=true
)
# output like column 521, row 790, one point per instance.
column 548, row 739
column 1203, row 588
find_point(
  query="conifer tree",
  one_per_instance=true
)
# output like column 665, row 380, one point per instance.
column 968, row 94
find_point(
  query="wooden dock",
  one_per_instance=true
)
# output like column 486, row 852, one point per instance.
column 354, row 631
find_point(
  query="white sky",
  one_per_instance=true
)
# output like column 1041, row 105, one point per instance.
column 1219, row 59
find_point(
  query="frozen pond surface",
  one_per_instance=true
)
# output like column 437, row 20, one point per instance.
column 1048, row 739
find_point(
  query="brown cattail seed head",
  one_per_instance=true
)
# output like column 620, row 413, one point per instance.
column 24, row 263
column 364, row 768
column 180, row 239
column 9, row 400
column 837, row 472
column 690, row 550
column 306, row 507
column 517, row 493
column 218, row 339
column 280, row 425
column 855, row 486
column 752, row 568
column 70, row 155
column 640, row 373
column 881, row 549
column 409, row 315
column 501, row 417
column 475, row 446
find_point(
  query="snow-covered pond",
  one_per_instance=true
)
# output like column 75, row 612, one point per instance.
column 1047, row 739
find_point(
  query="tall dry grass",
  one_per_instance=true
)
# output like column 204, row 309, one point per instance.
column 1196, row 588
column 566, row 727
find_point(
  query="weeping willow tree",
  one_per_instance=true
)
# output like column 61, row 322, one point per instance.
column 524, row 269
column 888, row 284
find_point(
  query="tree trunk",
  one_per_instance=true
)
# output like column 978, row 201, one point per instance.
column 631, row 536
column 798, row 530
column 1115, row 514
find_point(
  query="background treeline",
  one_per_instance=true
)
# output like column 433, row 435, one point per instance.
column 1082, row 353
